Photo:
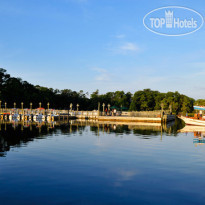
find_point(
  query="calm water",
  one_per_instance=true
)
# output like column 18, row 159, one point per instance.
column 78, row 163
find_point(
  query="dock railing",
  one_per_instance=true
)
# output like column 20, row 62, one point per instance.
column 87, row 114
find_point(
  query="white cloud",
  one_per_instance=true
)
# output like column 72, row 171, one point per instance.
column 126, row 48
column 129, row 47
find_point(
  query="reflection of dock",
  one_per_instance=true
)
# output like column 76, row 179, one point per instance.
column 30, row 124
column 95, row 125
column 143, row 126
column 95, row 122
column 130, row 119
column 25, row 131
column 129, row 124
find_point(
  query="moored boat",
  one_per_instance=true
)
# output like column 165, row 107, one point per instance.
column 198, row 119
column 193, row 121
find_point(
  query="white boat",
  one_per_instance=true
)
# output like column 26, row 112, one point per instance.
column 191, row 121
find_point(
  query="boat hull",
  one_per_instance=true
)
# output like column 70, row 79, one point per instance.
column 190, row 121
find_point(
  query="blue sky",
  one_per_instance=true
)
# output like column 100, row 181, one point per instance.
column 99, row 44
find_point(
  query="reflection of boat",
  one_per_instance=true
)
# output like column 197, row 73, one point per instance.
column 198, row 131
column 199, row 141
column 199, row 138
column 193, row 121
column 192, row 128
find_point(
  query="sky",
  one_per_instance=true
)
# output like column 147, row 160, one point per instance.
column 99, row 44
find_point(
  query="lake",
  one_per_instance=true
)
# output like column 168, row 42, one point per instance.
column 81, row 162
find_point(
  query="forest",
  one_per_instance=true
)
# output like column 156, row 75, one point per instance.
column 16, row 90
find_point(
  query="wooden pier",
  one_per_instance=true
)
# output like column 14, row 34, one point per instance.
column 34, row 114
column 53, row 115
column 145, row 116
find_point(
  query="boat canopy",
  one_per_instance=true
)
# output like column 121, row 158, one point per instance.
column 199, row 107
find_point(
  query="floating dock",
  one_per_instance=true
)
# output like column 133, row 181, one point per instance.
column 53, row 115
column 148, row 117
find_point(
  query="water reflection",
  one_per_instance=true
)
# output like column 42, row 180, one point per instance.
column 199, row 138
column 16, row 133
column 86, row 162
column 198, row 131
column 144, row 129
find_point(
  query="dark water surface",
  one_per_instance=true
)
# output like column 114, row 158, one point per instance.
column 82, row 163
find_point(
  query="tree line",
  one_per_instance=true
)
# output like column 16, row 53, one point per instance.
column 16, row 90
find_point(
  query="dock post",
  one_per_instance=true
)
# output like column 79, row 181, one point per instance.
column 98, row 109
column 103, row 109
column 108, row 109
column 31, row 111
column 162, row 112
column 22, row 117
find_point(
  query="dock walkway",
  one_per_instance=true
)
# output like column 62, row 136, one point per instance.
column 51, row 115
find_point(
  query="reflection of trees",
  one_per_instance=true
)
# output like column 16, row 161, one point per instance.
column 110, row 128
column 11, row 137
column 146, row 132
column 18, row 135
column 137, row 129
column 177, row 125
column 153, row 130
